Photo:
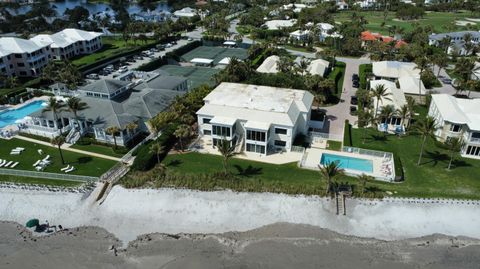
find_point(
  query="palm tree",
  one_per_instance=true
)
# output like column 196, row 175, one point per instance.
column 285, row 64
column 441, row 60
column 367, row 118
column 55, row 107
column 157, row 149
column 59, row 141
column 74, row 105
column 363, row 178
column 426, row 128
column 131, row 127
column 404, row 113
column 330, row 171
column 380, row 92
column 113, row 131
column 161, row 120
column 228, row 151
column 182, row 131
column 454, row 145
column 303, row 66
column 423, row 63
column 387, row 112
column 445, row 43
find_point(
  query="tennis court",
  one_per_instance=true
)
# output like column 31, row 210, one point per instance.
column 195, row 75
column 215, row 53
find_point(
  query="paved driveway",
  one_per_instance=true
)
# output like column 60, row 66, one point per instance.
column 337, row 114
column 448, row 88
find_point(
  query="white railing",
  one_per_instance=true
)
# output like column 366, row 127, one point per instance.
column 374, row 153
column 297, row 149
column 474, row 140
column 35, row 174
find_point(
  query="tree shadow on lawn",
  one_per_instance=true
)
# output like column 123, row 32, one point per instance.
column 435, row 157
column 174, row 163
column 375, row 138
column 80, row 160
column 249, row 171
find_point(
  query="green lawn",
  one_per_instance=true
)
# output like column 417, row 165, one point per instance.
column 111, row 47
column 100, row 149
column 431, row 178
column 298, row 48
column 334, row 145
column 441, row 21
column 40, row 181
column 85, row 165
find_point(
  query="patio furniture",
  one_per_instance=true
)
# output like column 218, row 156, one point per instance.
column 32, row 223
column 46, row 158
column 2, row 163
column 37, row 162
column 14, row 164
column 69, row 170
column 40, row 152
column 39, row 168
column 65, row 168
column 8, row 164
column 15, row 152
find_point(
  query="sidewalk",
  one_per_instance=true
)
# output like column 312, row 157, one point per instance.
column 67, row 147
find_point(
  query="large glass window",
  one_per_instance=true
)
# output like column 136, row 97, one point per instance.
column 255, row 148
column 281, row 131
column 206, row 121
column 455, row 128
column 220, row 130
column 256, row 136
column 280, row 143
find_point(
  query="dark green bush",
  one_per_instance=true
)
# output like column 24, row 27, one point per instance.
column 347, row 134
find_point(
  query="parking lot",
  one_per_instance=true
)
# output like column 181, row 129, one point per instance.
column 131, row 64
column 215, row 53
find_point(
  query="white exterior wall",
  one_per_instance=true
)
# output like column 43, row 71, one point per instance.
column 25, row 64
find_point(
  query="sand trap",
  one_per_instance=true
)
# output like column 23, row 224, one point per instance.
column 464, row 23
column 129, row 213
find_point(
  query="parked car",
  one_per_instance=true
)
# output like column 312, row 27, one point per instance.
column 168, row 45
column 174, row 42
column 353, row 110
column 356, row 84
column 355, row 77
column 190, row 39
column 138, row 57
column 123, row 69
column 93, row 76
column 354, row 100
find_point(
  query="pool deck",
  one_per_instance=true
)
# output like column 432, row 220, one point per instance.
column 312, row 157
column 9, row 131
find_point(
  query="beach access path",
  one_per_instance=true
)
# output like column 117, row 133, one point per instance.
column 67, row 147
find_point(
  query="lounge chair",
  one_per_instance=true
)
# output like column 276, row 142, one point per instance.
column 2, row 163
column 13, row 165
column 65, row 168
column 15, row 152
column 69, row 170
column 39, row 168
column 19, row 148
column 46, row 158
column 36, row 163
column 8, row 164
column 40, row 151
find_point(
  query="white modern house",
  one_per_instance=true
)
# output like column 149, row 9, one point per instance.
column 70, row 42
column 405, row 74
column 269, row 65
column 457, row 41
column 256, row 119
column 22, row 58
column 395, row 98
column 459, row 118
column 279, row 24
column 318, row 67
column 187, row 12
column 326, row 30
column 300, row 35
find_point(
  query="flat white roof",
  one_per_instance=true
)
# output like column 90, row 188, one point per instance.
column 257, row 103
column 394, row 69
column 458, row 110
column 223, row 120
column 257, row 125
column 412, row 85
column 397, row 98
column 277, row 24
column 201, row 61
column 269, row 65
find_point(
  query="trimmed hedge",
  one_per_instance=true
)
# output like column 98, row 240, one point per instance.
column 399, row 176
column 347, row 134
column 153, row 65
column 364, row 71
column 145, row 159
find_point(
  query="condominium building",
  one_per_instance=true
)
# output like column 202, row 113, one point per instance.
column 254, row 118
column 459, row 118
column 70, row 42
column 22, row 58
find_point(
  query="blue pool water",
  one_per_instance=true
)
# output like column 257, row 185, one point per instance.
column 348, row 162
column 9, row 116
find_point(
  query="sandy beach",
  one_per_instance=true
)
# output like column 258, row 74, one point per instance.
column 275, row 246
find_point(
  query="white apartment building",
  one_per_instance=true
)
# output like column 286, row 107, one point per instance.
column 22, row 58
column 70, row 42
column 254, row 118
column 460, row 118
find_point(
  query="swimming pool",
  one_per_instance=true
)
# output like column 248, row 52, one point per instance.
column 345, row 162
column 10, row 116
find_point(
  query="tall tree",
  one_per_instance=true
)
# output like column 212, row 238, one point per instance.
column 75, row 105
column 380, row 92
column 227, row 151
column 59, row 141
column 426, row 128
column 55, row 107
column 330, row 172
column 113, row 131
column 183, row 131
column 157, row 149
column 454, row 145
column 363, row 178
column 131, row 127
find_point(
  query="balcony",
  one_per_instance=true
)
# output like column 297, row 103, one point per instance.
column 474, row 140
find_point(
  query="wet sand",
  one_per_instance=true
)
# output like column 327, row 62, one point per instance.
column 278, row 245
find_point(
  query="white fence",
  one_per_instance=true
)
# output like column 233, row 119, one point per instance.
column 314, row 136
column 35, row 174
column 374, row 153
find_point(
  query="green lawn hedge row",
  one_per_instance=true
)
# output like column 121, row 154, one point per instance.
column 347, row 134
column 364, row 71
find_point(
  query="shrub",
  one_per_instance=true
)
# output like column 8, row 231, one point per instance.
column 145, row 159
column 364, row 71
column 399, row 176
